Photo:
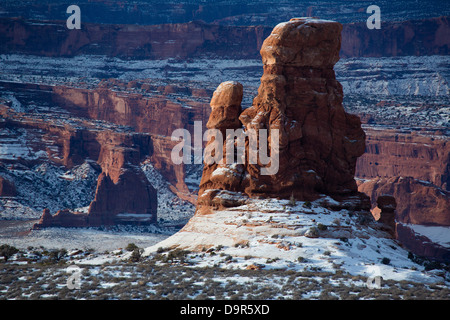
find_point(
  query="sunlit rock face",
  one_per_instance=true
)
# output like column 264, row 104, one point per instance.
column 299, row 98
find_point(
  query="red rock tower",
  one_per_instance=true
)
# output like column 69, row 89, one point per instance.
column 299, row 95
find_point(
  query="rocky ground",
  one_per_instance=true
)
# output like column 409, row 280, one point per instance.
column 153, row 279
column 280, row 250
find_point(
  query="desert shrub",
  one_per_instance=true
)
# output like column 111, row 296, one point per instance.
column 242, row 244
column 307, row 204
column 385, row 260
column 162, row 250
column 131, row 247
column 136, row 255
column 7, row 251
column 57, row 255
column 322, row 227
column 177, row 255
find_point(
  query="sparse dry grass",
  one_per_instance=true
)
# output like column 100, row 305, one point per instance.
column 168, row 275
column 150, row 280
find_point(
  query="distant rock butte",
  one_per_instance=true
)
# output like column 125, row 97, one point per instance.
column 123, row 194
column 299, row 95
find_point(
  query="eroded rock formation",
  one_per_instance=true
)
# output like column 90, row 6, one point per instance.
column 300, row 97
column 122, row 190
column 196, row 38
column 418, row 202
column 63, row 218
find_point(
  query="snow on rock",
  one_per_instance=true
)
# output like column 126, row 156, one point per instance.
column 276, row 231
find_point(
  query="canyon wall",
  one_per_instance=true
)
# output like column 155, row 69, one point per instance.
column 418, row 201
column 156, row 114
column 424, row 155
column 411, row 165
column 404, row 38
column 146, row 42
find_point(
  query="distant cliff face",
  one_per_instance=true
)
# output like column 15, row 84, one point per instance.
column 146, row 42
column 423, row 155
column 414, row 167
column 301, row 100
column 196, row 39
column 405, row 38
column 123, row 190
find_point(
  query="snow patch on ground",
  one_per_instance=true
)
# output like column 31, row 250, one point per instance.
column 273, row 234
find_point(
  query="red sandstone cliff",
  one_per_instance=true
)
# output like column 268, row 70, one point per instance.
column 404, row 38
column 413, row 166
column 418, row 202
column 154, row 114
column 123, row 193
column 193, row 39
column 138, row 41
column 423, row 155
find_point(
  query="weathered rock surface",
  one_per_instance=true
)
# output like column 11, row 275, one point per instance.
column 122, row 187
column 129, row 197
column 397, row 38
column 301, row 98
column 123, row 193
column 155, row 114
column 63, row 218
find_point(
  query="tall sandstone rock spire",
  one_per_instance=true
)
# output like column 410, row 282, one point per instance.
column 299, row 95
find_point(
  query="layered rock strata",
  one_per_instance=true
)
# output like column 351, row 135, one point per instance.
column 423, row 155
column 196, row 39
